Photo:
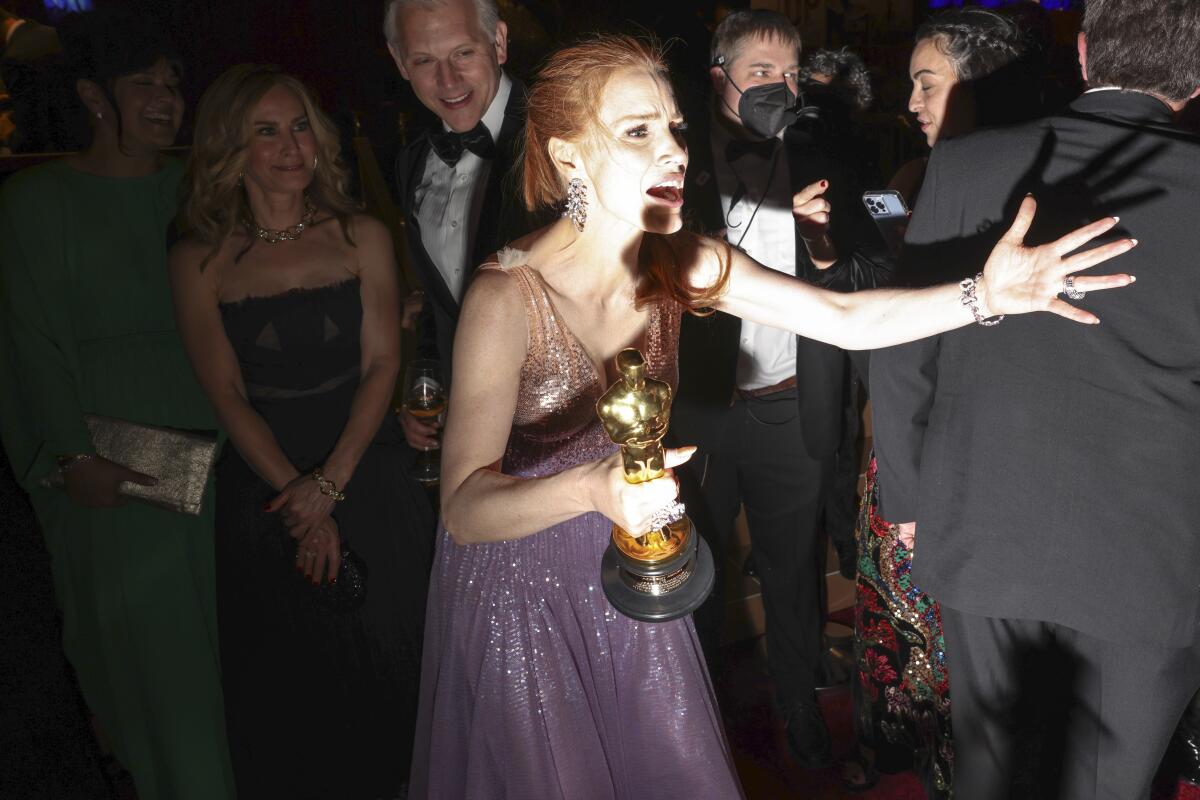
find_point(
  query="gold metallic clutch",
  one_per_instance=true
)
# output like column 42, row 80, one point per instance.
column 181, row 460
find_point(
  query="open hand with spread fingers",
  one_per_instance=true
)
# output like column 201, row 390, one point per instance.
column 1019, row 279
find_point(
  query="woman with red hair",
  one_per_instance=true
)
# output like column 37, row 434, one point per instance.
column 533, row 685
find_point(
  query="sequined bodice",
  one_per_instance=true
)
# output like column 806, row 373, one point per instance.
column 555, row 425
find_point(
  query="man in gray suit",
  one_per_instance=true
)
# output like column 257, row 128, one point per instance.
column 1050, row 469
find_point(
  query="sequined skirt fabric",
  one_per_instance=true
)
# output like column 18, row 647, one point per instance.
column 533, row 686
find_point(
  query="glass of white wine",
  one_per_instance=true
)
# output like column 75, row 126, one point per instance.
column 425, row 399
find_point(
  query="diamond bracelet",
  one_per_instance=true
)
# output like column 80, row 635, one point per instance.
column 968, row 299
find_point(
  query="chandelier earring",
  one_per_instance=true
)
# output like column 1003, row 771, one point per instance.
column 576, row 207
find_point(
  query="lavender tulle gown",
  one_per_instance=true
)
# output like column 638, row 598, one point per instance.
column 533, row 687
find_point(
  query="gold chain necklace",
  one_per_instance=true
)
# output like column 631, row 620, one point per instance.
column 289, row 234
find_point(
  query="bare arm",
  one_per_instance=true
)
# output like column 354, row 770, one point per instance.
column 380, row 344
column 1017, row 280
column 480, row 503
column 216, row 366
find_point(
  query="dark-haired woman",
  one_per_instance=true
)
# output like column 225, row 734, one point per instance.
column 88, row 329
column 965, row 71
column 968, row 70
column 287, row 302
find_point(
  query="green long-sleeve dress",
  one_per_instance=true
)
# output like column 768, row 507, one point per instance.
column 87, row 327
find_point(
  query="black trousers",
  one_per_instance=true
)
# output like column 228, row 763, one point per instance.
column 760, row 461
column 841, row 501
column 1044, row 711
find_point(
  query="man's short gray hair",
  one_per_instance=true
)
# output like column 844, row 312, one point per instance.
column 1148, row 45
column 485, row 11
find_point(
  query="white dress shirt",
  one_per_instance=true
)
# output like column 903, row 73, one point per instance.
column 448, row 201
column 766, row 355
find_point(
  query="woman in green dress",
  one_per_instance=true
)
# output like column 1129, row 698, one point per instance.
column 86, row 327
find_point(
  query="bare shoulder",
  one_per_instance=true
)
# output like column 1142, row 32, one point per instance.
column 369, row 231
column 492, row 332
column 188, row 249
column 188, row 256
column 529, row 240
column 535, row 247
column 494, row 298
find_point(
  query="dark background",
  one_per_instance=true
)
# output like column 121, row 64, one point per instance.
column 338, row 47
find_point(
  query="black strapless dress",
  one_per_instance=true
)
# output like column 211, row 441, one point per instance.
column 319, row 703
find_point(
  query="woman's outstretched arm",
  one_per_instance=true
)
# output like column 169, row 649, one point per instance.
column 1016, row 280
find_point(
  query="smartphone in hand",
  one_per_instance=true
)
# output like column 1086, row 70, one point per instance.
column 890, row 213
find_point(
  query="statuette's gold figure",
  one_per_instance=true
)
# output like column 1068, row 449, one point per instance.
column 635, row 412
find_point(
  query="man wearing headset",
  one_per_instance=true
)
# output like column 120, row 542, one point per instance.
column 765, row 406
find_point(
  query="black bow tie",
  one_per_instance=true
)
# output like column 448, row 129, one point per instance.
column 449, row 145
column 762, row 148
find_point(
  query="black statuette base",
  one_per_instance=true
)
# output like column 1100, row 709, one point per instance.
column 662, row 592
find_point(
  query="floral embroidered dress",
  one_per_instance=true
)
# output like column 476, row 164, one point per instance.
column 901, row 695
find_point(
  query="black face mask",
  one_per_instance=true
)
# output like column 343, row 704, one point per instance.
column 768, row 108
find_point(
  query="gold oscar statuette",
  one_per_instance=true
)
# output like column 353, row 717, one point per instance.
column 664, row 572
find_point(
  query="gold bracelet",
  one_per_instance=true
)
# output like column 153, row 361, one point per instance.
column 66, row 462
column 327, row 487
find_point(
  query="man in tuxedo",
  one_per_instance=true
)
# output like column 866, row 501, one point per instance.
column 454, row 181
column 763, row 405
column 1049, row 467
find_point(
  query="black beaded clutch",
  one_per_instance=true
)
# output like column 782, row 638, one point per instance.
column 349, row 591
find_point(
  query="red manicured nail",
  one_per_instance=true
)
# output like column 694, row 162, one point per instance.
column 267, row 507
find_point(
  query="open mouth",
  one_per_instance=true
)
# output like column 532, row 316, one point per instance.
column 455, row 102
column 159, row 118
column 290, row 167
column 668, row 192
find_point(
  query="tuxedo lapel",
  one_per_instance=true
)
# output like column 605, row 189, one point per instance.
column 708, row 345
column 491, row 233
column 819, row 366
column 700, row 185
column 411, row 171
column 803, row 169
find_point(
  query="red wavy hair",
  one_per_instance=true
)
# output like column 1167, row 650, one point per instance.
column 563, row 104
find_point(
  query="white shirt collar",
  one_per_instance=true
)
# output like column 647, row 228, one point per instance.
column 1122, row 89
column 493, row 118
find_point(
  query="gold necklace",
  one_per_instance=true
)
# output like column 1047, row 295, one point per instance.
column 289, row 234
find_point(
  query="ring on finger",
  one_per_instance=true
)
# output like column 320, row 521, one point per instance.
column 1069, row 289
